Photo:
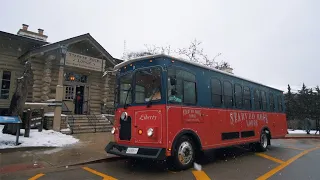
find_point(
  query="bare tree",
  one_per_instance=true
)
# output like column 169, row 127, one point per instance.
column 194, row 53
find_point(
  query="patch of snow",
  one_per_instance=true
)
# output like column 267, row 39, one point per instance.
column 55, row 150
column 51, row 114
column 46, row 138
column 65, row 130
column 290, row 131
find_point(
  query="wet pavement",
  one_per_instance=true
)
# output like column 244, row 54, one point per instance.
column 285, row 159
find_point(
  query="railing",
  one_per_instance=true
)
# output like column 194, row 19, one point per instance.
column 92, row 121
column 69, row 115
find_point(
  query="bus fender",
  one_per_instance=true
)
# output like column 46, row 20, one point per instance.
column 190, row 133
column 267, row 130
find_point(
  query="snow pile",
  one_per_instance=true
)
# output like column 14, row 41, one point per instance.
column 51, row 114
column 46, row 138
column 290, row 131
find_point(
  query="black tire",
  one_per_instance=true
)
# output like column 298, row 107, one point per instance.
column 262, row 145
column 186, row 145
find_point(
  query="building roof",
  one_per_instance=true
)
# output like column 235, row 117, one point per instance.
column 66, row 42
column 22, row 38
column 124, row 63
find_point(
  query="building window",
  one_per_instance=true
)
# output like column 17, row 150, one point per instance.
column 5, row 85
column 228, row 94
column 247, row 98
column 184, row 89
column 257, row 100
column 74, row 77
column 271, row 99
column 238, row 95
column 216, row 92
column 69, row 93
column 264, row 100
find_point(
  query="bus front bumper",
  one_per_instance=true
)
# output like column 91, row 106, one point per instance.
column 136, row 151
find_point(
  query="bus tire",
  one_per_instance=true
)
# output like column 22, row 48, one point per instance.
column 184, row 154
column 262, row 145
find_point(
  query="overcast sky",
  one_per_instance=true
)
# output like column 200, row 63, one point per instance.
column 273, row 42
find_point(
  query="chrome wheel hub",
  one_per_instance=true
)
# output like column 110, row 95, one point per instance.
column 185, row 153
column 264, row 141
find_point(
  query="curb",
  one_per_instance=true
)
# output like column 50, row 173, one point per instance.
column 109, row 159
column 30, row 148
column 302, row 137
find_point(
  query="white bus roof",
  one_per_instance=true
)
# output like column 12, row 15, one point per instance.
column 124, row 63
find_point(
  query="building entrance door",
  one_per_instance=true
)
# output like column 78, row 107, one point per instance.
column 79, row 100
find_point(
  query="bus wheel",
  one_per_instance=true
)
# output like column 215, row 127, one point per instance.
column 263, row 144
column 184, row 154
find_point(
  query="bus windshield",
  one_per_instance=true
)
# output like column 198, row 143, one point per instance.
column 147, row 86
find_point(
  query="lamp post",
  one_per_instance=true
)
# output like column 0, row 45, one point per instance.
column 59, row 90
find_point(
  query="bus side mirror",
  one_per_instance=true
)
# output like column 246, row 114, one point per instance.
column 173, row 81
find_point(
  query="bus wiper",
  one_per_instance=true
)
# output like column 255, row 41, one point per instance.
column 125, row 106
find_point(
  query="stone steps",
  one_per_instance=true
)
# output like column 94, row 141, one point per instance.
column 83, row 124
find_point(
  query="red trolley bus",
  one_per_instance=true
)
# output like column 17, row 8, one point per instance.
column 169, row 108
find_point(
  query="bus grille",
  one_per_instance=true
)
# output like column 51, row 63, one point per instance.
column 125, row 129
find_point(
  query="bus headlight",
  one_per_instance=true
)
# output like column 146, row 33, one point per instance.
column 150, row 132
column 124, row 116
column 113, row 130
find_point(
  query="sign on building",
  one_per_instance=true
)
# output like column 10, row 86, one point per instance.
column 86, row 62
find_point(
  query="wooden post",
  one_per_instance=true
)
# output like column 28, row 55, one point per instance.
column 27, row 123
column 42, row 119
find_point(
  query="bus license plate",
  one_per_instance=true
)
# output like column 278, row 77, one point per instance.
column 132, row 150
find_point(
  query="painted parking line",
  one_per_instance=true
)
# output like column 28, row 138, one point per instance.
column 270, row 158
column 200, row 175
column 285, row 164
column 36, row 176
column 105, row 177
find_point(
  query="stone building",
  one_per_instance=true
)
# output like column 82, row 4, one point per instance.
column 62, row 71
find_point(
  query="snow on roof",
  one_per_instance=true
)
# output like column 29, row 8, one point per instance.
column 124, row 63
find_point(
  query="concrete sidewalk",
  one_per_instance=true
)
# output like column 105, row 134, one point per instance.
column 90, row 148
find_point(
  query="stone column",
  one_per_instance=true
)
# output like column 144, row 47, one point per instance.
column 46, row 79
column 59, row 92
column 108, row 91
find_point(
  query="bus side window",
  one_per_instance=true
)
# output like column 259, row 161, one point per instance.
column 271, row 100
column 181, row 86
column 228, row 94
column 257, row 100
column 216, row 92
column 238, row 95
column 264, row 100
column 247, row 98
column 280, row 108
column 275, row 102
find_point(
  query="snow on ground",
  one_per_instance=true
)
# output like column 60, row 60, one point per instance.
column 46, row 138
column 297, row 131
column 51, row 114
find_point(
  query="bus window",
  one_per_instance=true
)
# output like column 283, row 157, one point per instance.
column 257, row 100
column 216, row 92
column 238, row 95
column 280, row 108
column 247, row 98
column 264, row 100
column 181, row 86
column 271, row 99
column 227, row 92
column 148, row 85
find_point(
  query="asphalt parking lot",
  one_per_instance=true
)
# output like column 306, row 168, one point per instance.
column 285, row 159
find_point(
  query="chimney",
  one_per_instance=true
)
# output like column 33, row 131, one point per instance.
column 40, row 31
column 34, row 35
column 25, row 27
